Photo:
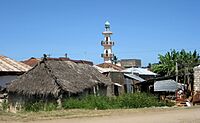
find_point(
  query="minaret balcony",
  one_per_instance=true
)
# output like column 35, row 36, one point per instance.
column 107, row 43
column 107, row 55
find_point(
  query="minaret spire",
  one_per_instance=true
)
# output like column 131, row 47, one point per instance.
column 107, row 44
column 107, row 26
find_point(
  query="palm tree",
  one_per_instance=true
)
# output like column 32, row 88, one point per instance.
column 186, row 62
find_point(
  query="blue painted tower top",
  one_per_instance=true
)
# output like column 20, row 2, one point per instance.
column 107, row 28
column 107, row 25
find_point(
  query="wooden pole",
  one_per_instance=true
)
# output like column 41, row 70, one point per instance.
column 176, row 71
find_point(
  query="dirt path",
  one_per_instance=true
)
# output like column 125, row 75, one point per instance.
column 174, row 116
column 189, row 115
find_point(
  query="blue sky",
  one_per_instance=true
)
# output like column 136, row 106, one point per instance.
column 142, row 28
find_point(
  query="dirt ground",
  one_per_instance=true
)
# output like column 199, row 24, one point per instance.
column 177, row 115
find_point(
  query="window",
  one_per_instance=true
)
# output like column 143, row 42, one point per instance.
column 106, row 52
column 106, row 38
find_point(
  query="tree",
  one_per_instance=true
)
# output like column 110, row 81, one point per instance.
column 186, row 62
column 166, row 66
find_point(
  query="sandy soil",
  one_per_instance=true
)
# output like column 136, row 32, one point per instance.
column 185, row 115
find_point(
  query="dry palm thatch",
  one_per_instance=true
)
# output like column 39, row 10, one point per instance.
column 52, row 77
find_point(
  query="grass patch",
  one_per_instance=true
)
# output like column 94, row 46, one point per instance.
column 4, row 105
column 39, row 106
column 136, row 100
column 126, row 101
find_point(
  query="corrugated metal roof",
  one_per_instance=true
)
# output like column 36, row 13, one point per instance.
column 167, row 85
column 197, row 67
column 104, row 70
column 133, row 76
column 32, row 61
column 10, row 65
column 140, row 71
column 109, row 65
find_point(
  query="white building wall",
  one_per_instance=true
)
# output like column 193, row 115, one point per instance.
column 108, row 38
column 197, row 78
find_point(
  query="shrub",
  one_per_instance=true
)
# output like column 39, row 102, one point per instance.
column 136, row 100
column 39, row 106
column 89, row 102
column 72, row 103
column 4, row 105
column 50, row 106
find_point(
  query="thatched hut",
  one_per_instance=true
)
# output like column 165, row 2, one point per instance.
column 56, row 79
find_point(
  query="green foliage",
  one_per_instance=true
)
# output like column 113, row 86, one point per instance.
column 39, row 106
column 4, row 105
column 136, row 100
column 50, row 106
column 186, row 61
column 167, row 62
column 89, row 102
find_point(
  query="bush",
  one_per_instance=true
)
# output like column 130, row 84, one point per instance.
column 50, row 106
column 4, row 105
column 89, row 102
column 73, row 103
column 39, row 106
column 136, row 100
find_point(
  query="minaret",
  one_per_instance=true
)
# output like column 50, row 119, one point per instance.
column 107, row 44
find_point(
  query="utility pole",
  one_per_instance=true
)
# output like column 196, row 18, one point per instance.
column 176, row 71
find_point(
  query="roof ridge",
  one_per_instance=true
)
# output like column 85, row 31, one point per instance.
column 50, row 72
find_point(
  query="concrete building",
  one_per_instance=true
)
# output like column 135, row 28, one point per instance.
column 127, row 63
column 10, row 69
column 197, row 78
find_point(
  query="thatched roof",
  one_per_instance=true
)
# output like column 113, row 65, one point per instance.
column 34, row 61
column 55, row 76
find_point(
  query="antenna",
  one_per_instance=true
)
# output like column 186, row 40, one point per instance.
column 48, row 55
column 44, row 57
column 66, row 55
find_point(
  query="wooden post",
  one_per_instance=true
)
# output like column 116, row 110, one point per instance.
column 94, row 90
column 69, row 94
column 97, row 90
column 59, row 101
column 176, row 71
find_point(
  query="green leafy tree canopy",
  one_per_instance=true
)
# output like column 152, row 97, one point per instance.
column 167, row 62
